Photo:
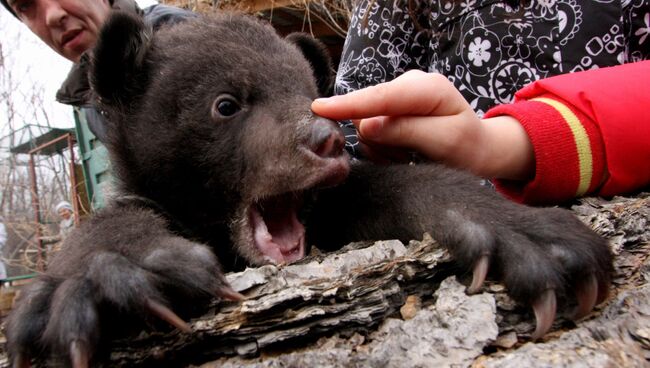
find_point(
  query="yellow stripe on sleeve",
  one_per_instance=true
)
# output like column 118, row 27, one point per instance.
column 581, row 139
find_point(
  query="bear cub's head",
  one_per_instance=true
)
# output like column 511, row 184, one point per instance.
column 211, row 120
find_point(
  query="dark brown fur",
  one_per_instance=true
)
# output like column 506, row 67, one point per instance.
column 190, row 176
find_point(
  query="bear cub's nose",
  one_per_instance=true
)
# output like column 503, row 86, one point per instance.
column 326, row 138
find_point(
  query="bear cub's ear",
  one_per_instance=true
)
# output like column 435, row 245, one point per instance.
column 316, row 53
column 118, row 72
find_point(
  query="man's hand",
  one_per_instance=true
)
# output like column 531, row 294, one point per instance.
column 424, row 112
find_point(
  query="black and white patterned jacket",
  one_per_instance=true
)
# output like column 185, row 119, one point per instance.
column 489, row 48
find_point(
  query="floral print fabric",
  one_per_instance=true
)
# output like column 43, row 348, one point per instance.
column 490, row 49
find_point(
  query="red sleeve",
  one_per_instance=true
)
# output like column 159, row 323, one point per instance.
column 590, row 132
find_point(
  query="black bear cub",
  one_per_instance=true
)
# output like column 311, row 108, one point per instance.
column 222, row 164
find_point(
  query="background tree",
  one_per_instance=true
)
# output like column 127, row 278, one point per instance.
column 25, row 113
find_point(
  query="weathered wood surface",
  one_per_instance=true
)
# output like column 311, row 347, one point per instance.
column 391, row 305
column 343, row 309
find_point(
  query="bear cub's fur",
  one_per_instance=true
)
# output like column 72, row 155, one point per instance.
column 222, row 164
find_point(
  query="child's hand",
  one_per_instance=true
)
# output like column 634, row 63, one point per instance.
column 424, row 112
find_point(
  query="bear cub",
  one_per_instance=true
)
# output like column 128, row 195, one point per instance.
column 222, row 164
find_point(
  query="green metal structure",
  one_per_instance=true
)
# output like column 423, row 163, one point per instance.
column 95, row 161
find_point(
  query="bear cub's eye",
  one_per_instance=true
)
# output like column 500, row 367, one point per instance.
column 225, row 106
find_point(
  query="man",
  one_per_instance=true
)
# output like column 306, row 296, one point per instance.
column 68, row 27
column 71, row 28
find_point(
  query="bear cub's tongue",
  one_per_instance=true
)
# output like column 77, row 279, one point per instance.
column 276, row 230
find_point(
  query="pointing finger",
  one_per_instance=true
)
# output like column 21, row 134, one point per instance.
column 413, row 93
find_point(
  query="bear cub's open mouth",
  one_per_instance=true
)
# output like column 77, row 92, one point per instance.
column 277, row 233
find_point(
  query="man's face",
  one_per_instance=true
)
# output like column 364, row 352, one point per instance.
column 69, row 27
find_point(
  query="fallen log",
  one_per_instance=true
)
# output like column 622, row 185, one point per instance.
column 343, row 309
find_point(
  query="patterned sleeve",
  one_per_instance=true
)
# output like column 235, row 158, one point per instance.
column 383, row 42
